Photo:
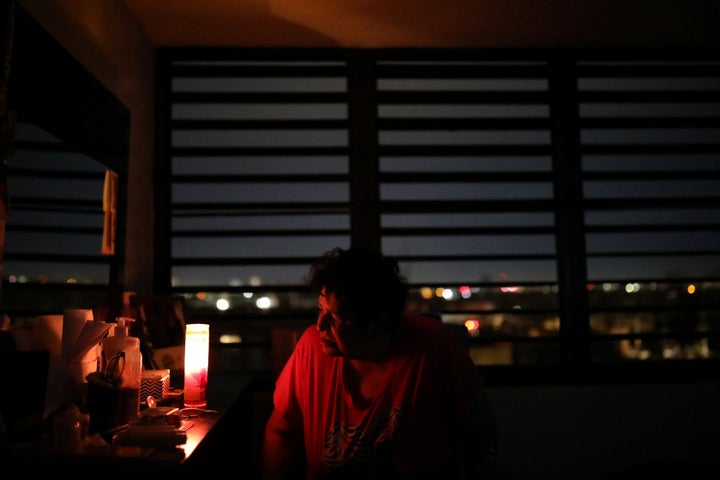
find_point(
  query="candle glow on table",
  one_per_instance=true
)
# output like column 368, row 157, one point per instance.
column 197, row 350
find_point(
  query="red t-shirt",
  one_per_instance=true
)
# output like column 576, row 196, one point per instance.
column 411, row 429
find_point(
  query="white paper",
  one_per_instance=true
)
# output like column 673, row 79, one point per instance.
column 74, row 320
column 73, row 340
column 81, row 334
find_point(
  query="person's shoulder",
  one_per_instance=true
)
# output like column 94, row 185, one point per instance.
column 441, row 344
column 305, row 343
column 309, row 335
column 424, row 328
column 431, row 331
column 296, row 338
column 422, row 322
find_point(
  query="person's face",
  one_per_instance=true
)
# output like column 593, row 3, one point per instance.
column 339, row 336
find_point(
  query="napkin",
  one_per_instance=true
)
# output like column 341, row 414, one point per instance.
column 73, row 340
column 80, row 334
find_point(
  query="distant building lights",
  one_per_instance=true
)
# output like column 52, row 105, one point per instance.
column 465, row 291
column 426, row 293
column 230, row 339
column 632, row 287
column 263, row 303
column 691, row 289
column 247, row 294
column 222, row 304
column 439, row 292
column 71, row 281
column 551, row 324
column 201, row 295
column 669, row 352
column 472, row 325
column 448, row 294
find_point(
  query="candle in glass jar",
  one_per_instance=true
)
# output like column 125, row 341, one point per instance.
column 197, row 350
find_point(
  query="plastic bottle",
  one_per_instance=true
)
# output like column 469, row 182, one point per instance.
column 122, row 365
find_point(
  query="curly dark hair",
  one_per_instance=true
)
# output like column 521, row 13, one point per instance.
column 365, row 283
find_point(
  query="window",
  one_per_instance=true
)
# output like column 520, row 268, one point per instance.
column 651, row 177
column 466, row 192
column 69, row 134
column 53, row 246
column 525, row 193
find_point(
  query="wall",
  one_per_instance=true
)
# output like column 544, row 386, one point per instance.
column 589, row 432
column 109, row 42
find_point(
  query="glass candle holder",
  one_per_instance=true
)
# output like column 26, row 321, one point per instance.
column 197, row 351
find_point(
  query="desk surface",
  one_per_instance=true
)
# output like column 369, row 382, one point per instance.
column 224, row 392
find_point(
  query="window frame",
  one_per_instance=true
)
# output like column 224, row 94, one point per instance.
column 366, row 207
column 88, row 121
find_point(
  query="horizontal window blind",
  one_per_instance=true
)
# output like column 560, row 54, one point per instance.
column 67, row 131
column 466, row 191
column 561, row 205
column 54, row 227
column 259, row 175
column 651, row 182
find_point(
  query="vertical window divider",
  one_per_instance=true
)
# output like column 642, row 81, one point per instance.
column 363, row 146
column 569, row 212
column 162, row 171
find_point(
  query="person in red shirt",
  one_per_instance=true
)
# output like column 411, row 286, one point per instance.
column 372, row 391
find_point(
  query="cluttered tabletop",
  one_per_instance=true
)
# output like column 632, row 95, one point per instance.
column 163, row 435
column 69, row 413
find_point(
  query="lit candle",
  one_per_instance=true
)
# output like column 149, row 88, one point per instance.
column 197, row 349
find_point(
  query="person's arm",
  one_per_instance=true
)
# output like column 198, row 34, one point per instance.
column 283, row 456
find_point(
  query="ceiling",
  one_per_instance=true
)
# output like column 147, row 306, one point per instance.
column 428, row 23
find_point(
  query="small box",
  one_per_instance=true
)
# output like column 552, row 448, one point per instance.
column 159, row 416
column 155, row 383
